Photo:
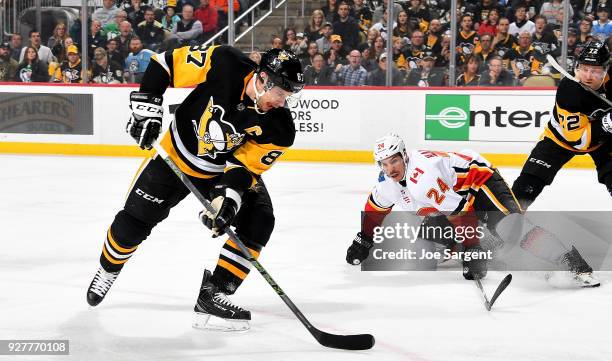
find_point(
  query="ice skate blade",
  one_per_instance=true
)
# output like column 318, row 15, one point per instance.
column 205, row 321
column 563, row 279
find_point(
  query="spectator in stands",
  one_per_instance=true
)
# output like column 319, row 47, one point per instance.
column 368, row 59
column 306, row 58
column 362, row 14
column 470, row 75
column 113, row 53
column 106, row 13
column 137, row 61
column 382, row 25
column 31, row 68
column 150, row 32
column 347, row 27
column 602, row 27
column 443, row 60
column 483, row 10
column 95, row 39
column 330, row 11
column 403, row 29
column 415, row 51
column 123, row 40
column 277, row 43
column 379, row 12
column 208, row 16
column 521, row 22
column 584, row 31
column 572, row 53
column 16, row 45
column 399, row 59
column 466, row 39
column 111, row 30
column 418, row 14
column 136, row 13
column 44, row 53
column 314, row 29
column 170, row 19
column 426, row 75
column 70, row 71
column 484, row 49
column 338, row 47
column 56, row 41
column 378, row 77
column 352, row 74
column 222, row 9
column 324, row 42
column 8, row 65
column 187, row 31
column 289, row 39
column 433, row 37
column 379, row 46
column 371, row 37
column 542, row 40
column 503, row 42
column 255, row 55
column 489, row 25
column 106, row 71
column 522, row 57
column 318, row 73
column 553, row 12
column 532, row 8
column 496, row 75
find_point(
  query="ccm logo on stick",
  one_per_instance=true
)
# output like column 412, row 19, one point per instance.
column 148, row 197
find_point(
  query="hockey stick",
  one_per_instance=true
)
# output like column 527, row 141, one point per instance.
column 502, row 286
column 345, row 342
column 563, row 72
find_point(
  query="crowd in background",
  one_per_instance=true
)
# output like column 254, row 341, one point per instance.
column 498, row 42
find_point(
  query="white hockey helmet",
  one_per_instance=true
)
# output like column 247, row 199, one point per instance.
column 387, row 146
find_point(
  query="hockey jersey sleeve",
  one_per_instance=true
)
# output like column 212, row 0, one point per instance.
column 376, row 209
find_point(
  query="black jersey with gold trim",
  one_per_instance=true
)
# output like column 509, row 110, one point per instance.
column 216, row 127
column 572, row 124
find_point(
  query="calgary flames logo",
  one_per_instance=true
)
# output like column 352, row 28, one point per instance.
column 214, row 134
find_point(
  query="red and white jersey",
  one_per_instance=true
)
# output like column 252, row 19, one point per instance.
column 445, row 182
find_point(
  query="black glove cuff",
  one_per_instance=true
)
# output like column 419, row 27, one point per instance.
column 363, row 240
column 146, row 97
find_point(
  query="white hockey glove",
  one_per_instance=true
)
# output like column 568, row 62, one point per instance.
column 226, row 202
column 146, row 120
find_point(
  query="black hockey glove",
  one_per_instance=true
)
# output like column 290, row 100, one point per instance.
column 474, row 267
column 146, row 120
column 359, row 249
column 226, row 202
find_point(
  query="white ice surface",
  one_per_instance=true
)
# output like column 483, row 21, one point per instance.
column 55, row 211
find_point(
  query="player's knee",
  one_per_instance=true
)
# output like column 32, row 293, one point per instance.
column 128, row 230
column 257, row 231
column 527, row 188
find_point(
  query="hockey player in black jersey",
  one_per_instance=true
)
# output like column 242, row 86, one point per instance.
column 581, row 124
column 230, row 129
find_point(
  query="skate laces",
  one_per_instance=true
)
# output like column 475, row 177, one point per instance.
column 221, row 298
column 103, row 281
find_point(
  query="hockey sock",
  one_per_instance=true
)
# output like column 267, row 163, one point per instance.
column 534, row 239
column 114, row 254
column 232, row 268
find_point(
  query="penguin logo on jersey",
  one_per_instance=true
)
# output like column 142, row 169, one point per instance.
column 214, row 134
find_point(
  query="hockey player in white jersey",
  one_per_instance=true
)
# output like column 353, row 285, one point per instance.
column 465, row 189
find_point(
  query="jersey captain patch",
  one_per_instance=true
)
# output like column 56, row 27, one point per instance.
column 215, row 135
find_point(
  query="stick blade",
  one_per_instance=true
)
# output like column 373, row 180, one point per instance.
column 345, row 342
column 502, row 286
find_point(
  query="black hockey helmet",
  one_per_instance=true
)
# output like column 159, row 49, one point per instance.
column 283, row 68
column 594, row 53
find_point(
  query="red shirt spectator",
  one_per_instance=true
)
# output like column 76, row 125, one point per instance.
column 207, row 14
column 221, row 5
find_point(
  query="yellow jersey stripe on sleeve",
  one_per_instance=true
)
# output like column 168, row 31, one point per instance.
column 258, row 158
column 191, row 65
column 161, row 60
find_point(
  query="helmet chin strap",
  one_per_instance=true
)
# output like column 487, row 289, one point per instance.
column 258, row 95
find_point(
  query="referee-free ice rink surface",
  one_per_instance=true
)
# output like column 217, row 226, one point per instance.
column 55, row 211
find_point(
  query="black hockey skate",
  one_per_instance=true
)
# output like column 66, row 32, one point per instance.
column 214, row 311
column 580, row 270
column 100, row 285
column 474, row 268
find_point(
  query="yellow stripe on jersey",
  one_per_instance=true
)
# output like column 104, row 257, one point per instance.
column 166, row 143
column 258, row 158
column 375, row 206
column 190, row 65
